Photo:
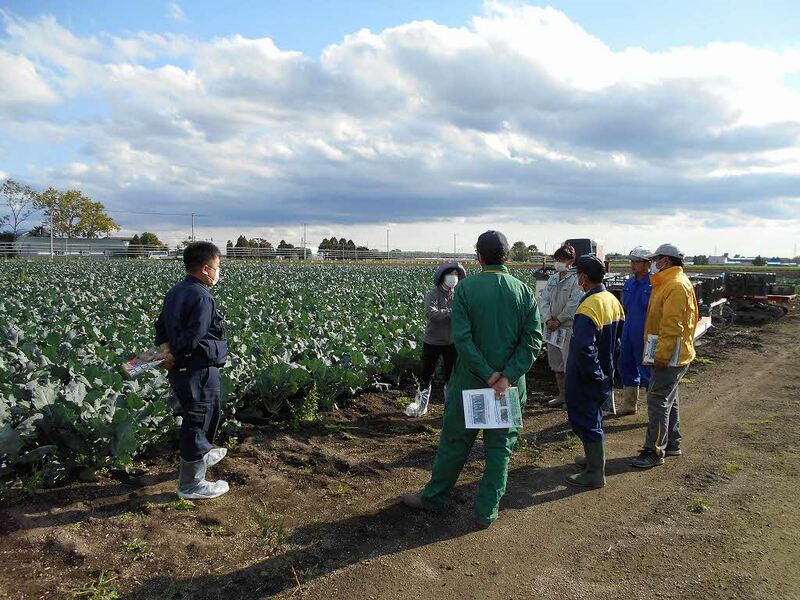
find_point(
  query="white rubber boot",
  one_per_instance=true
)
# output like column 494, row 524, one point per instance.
column 192, row 484
column 214, row 455
column 419, row 407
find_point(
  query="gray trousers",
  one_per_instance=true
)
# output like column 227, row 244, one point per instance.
column 663, row 410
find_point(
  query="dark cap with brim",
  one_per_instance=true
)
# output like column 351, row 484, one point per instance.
column 492, row 243
column 591, row 266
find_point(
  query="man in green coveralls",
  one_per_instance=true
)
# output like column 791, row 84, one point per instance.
column 498, row 334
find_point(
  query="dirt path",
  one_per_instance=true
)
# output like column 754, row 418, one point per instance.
column 319, row 508
column 636, row 538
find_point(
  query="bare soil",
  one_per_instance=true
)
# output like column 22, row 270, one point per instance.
column 314, row 513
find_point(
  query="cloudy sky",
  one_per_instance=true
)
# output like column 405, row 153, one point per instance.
column 631, row 122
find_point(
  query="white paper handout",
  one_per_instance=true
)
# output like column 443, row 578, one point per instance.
column 556, row 338
column 484, row 410
column 650, row 351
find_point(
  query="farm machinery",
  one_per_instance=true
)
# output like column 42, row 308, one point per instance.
column 757, row 298
column 742, row 298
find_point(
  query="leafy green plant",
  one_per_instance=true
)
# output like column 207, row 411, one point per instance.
column 101, row 589
column 181, row 505
column 138, row 549
column 271, row 530
column 700, row 504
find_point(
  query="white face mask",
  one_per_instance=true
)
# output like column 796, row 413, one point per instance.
column 560, row 266
column 451, row 281
column 217, row 276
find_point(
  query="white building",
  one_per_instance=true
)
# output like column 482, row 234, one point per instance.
column 36, row 247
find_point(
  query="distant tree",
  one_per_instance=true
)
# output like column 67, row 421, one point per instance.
column 134, row 246
column 259, row 243
column 93, row 220
column 520, row 252
column 701, row 259
column 283, row 245
column 241, row 242
column 229, row 245
column 73, row 215
column 151, row 240
column 39, row 231
column 21, row 204
column 532, row 249
column 759, row 261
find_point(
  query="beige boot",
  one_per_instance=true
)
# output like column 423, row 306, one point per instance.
column 561, row 383
column 630, row 401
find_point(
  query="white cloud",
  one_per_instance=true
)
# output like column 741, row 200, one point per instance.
column 175, row 12
column 522, row 109
column 22, row 89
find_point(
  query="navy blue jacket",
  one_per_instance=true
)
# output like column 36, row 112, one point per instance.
column 594, row 347
column 191, row 324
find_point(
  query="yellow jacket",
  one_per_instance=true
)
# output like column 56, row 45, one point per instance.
column 672, row 315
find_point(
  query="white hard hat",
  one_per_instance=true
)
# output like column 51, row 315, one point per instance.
column 667, row 250
column 640, row 253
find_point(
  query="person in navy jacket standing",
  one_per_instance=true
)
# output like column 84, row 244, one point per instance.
column 593, row 353
column 191, row 334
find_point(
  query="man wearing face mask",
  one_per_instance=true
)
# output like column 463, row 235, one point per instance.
column 191, row 334
column 635, row 298
column 671, row 316
column 438, row 340
column 557, row 304
column 593, row 354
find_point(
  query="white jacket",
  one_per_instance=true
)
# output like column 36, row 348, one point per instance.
column 560, row 299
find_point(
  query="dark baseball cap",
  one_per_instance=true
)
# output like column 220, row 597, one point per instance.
column 591, row 266
column 492, row 244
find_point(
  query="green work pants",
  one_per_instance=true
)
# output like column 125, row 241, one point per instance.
column 455, row 443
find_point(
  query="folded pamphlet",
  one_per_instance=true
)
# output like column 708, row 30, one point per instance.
column 650, row 351
column 483, row 409
column 146, row 361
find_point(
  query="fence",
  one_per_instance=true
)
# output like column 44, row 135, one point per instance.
column 104, row 249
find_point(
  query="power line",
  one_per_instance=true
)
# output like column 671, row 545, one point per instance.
column 160, row 214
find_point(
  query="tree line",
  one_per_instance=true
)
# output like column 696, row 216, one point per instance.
column 67, row 213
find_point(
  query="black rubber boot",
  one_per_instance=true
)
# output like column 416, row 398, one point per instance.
column 594, row 476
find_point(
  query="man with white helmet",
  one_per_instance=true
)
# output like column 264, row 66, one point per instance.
column 669, row 328
column 635, row 297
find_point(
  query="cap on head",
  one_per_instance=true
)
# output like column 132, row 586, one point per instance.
column 592, row 267
column 667, row 250
column 492, row 247
column 640, row 254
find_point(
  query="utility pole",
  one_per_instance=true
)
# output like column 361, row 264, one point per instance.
column 304, row 241
column 192, row 226
column 52, row 253
column 387, row 243
column 455, row 237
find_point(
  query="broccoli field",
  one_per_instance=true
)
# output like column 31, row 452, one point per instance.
column 302, row 339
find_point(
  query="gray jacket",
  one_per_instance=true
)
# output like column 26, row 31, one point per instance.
column 560, row 299
column 438, row 303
